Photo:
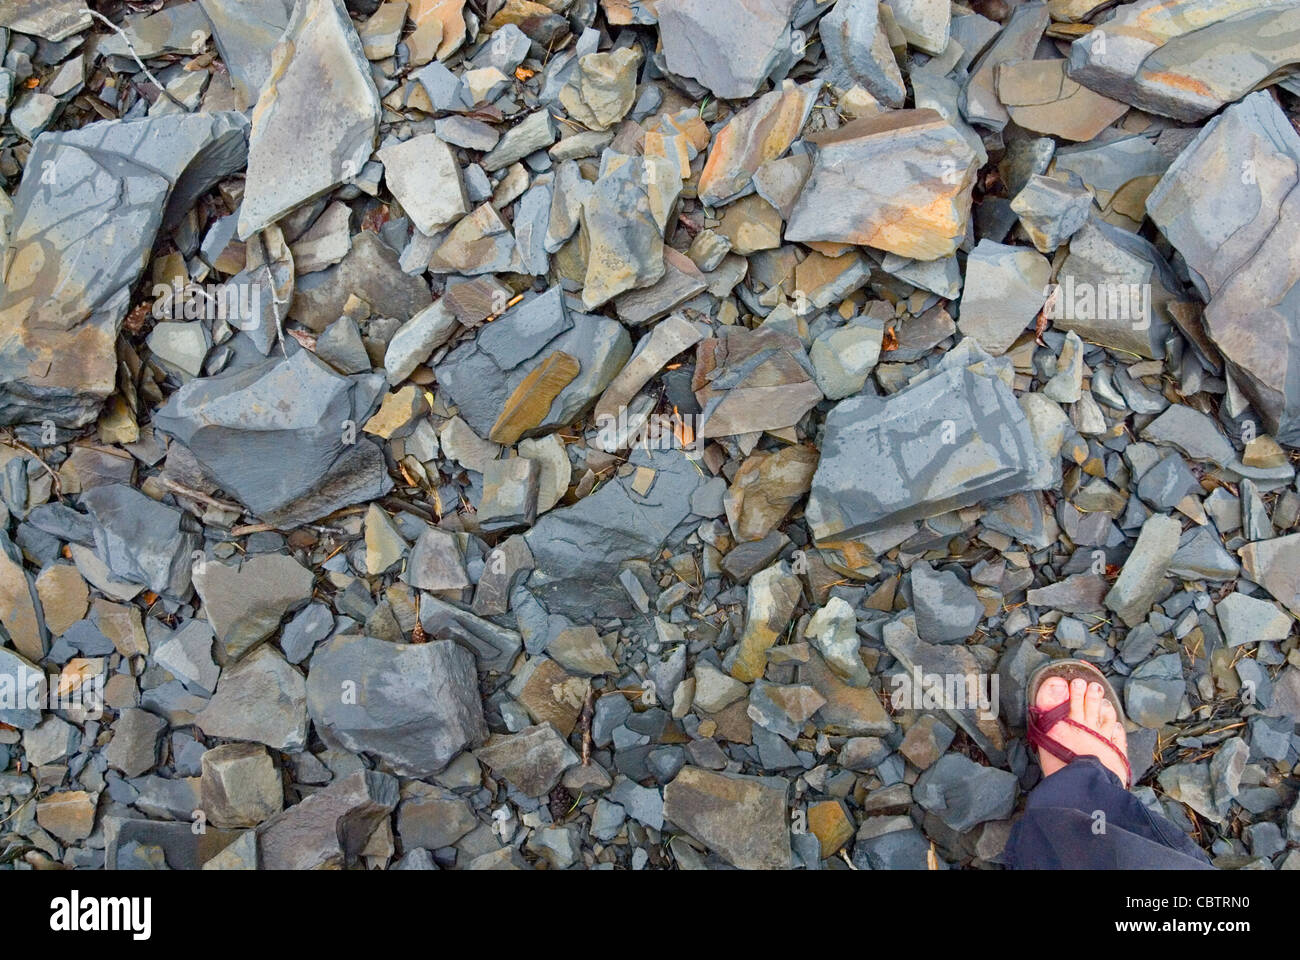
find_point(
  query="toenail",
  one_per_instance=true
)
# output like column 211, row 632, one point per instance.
column 1096, row 689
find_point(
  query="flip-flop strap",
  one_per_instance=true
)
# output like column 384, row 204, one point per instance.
column 1041, row 723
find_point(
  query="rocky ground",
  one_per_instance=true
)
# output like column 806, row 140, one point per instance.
column 475, row 434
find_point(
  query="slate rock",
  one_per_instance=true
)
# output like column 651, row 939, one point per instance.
column 900, row 182
column 261, row 699
column 755, row 34
column 316, row 117
column 954, row 439
column 743, row 819
column 65, row 293
column 415, row 705
column 283, row 436
column 964, row 794
column 532, row 759
column 245, row 604
column 947, row 610
column 329, row 828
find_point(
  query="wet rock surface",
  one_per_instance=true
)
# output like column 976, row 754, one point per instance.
column 634, row 435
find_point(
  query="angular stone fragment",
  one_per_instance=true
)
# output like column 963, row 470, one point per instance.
column 52, row 19
column 63, row 595
column 1051, row 211
column 316, row 118
column 261, row 699
column 328, row 829
column 283, row 436
column 1155, row 692
column 1018, row 40
column 1275, row 565
column 370, row 272
column 481, row 375
column 245, row 603
column 761, row 132
column 765, row 487
column 141, row 540
column 535, row 132
column 749, row 380
column 1144, row 570
column 743, row 819
column 69, row 814
column 947, row 610
column 531, row 759
column 623, row 224
column 1040, row 97
column 424, row 177
column 1004, row 290
column 900, row 182
column 602, row 88
column 1111, row 290
column 187, row 656
column 579, row 550
column 668, row 338
column 954, row 439
column 1230, row 206
column 1187, row 58
column 964, row 794
column 416, row 340
column 973, row 706
column 773, row 595
column 414, row 705
column 509, row 495
column 240, row 785
column 245, row 32
column 1248, row 620
column 925, row 23
column 858, row 49
column 479, row 243
column 65, row 291
column 530, row 402
column 20, row 608
column 754, row 33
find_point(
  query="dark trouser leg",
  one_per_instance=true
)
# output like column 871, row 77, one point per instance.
column 1082, row 818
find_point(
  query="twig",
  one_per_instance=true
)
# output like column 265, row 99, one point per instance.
column 55, row 480
column 135, row 56
column 584, row 724
column 177, row 487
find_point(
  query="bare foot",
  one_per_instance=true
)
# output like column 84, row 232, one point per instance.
column 1088, row 706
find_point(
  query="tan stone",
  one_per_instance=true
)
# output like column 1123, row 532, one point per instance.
column 551, row 695
column 761, row 132
column 765, row 487
column 831, row 824
column 450, row 17
column 18, row 610
column 120, row 622
column 1040, row 97
column 773, row 595
column 64, row 596
column 531, row 400
column 751, row 224
column 69, row 815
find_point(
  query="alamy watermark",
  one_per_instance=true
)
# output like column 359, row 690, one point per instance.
column 918, row 690
column 1084, row 300
column 237, row 303
column 654, row 431
column 33, row 690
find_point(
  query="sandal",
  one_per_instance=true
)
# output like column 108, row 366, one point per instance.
column 1040, row 722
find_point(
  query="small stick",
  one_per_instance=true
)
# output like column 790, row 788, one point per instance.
column 135, row 56
column 177, row 487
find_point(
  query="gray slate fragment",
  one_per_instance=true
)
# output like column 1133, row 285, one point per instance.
column 66, row 292
column 415, row 705
column 277, row 436
column 954, row 439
